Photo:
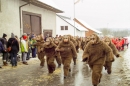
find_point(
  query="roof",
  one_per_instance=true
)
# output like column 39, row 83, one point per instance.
column 71, row 22
column 87, row 26
column 47, row 4
column 64, row 15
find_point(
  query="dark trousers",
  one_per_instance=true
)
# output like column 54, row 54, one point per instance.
column 5, row 56
column 28, row 54
column 33, row 52
column 13, row 59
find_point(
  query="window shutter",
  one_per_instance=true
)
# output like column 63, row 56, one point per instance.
column 66, row 27
column 62, row 27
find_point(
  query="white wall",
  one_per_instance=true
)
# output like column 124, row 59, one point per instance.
column 80, row 33
column 9, row 17
column 83, row 34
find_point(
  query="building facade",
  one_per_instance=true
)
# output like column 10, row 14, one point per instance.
column 22, row 16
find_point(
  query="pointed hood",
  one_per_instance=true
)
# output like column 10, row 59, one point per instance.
column 12, row 35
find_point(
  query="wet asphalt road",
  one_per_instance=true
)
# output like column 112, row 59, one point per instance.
column 34, row 75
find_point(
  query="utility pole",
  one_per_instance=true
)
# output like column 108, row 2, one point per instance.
column 74, row 17
column 75, row 2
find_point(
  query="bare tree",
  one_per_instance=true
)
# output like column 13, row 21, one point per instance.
column 115, row 33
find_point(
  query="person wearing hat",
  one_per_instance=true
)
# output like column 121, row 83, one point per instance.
column 13, row 43
column 33, row 47
column 24, row 48
column 5, row 53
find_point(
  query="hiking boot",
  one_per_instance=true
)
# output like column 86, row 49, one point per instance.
column 5, row 63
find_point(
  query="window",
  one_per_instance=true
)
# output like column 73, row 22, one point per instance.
column 62, row 27
column 66, row 27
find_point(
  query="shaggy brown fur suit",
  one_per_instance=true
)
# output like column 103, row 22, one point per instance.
column 40, row 54
column 57, row 54
column 67, row 52
column 75, row 44
column 108, row 63
column 96, row 55
column 50, row 55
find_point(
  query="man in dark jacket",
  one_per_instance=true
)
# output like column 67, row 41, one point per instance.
column 13, row 43
column 5, row 53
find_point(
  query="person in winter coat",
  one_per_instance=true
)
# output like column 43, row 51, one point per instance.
column 126, row 42
column 5, row 53
column 1, row 48
column 24, row 48
column 49, row 49
column 68, row 52
column 108, row 63
column 33, row 48
column 95, row 53
column 13, row 43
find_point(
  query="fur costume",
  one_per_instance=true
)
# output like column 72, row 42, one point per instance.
column 108, row 63
column 57, row 54
column 39, row 44
column 50, row 54
column 96, row 52
column 67, row 52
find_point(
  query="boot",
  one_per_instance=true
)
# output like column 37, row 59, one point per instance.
column 25, row 63
column 4, row 63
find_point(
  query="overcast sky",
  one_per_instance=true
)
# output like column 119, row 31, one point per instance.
column 99, row 13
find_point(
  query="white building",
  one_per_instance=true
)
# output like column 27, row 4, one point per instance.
column 28, row 16
column 66, row 26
